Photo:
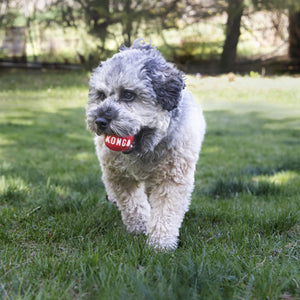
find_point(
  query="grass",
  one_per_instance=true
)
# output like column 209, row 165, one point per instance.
column 60, row 239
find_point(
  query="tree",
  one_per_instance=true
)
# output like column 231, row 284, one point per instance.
column 234, row 16
column 235, row 9
column 8, row 13
column 294, row 35
column 293, row 7
column 101, row 15
column 208, row 8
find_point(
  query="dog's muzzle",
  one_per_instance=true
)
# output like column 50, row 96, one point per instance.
column 104, row 116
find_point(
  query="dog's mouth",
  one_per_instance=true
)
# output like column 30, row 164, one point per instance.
column 132, row 146
column 128, row 144
column 141, row 141
column 125, row 145
column 118, row 143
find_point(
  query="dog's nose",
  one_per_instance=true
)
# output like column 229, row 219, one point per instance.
column 102, row 123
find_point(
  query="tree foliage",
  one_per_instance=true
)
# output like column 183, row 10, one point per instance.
column 276, row 4
column 131, row 15
column 108, row 19
column 8, row 14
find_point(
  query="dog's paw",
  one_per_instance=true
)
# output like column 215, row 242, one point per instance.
column 135, row 223
column 137, row 229
column 162, row 243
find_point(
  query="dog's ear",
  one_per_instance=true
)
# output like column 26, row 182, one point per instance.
column 167, row 83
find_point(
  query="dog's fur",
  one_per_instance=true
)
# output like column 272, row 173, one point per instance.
column 151, row 183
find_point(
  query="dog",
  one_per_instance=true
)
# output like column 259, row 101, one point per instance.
column 137, row 93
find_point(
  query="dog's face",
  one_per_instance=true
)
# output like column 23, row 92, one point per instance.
column 134, row 93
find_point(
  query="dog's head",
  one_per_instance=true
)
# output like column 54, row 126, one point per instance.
column 134, row 93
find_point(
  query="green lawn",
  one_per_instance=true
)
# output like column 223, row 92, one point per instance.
column 60, row 239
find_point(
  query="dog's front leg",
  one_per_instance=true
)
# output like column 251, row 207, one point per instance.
column 130, row 199
column 169, row 201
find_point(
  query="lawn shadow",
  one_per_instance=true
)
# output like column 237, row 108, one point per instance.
column 238, row 147
column 246, row 159
column 50, row 146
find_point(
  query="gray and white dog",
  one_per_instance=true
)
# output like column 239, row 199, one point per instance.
column 137, row 93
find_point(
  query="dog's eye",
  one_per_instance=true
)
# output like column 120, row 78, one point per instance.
column 101, row 95
column 127, row 95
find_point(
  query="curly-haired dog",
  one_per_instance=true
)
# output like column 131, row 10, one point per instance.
column 137, row 93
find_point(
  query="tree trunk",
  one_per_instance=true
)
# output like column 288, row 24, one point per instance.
column 294, row 35
column 234, row 16
column 127, row 25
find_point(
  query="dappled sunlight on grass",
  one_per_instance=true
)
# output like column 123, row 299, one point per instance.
column 212, row 149
column 6, row 142
column 13, row 190
column 84, row 156
column 281, row 178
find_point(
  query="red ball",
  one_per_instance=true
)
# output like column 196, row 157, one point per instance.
column 117, row 143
